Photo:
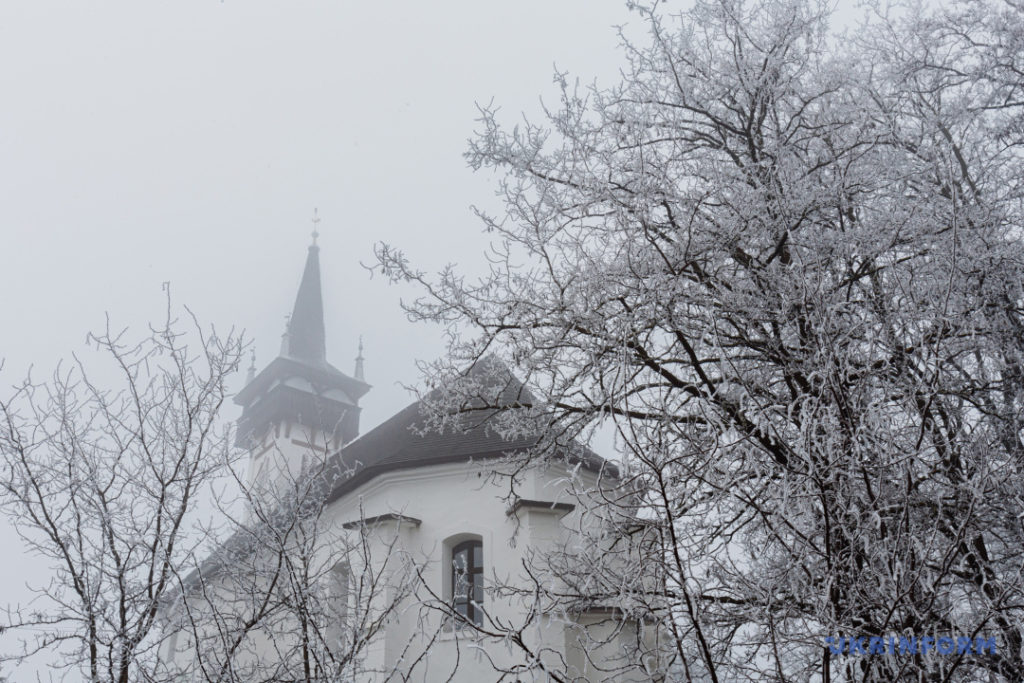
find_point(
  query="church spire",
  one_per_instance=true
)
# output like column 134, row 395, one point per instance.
column 300, row 388
column 304, row 337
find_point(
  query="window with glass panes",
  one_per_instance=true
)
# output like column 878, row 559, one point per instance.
column 467, row 580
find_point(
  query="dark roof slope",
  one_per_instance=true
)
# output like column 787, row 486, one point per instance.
column 400, row 443
column 403, row 441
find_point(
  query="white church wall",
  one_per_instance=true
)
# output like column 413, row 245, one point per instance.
column 453, row 502
column 427, row 510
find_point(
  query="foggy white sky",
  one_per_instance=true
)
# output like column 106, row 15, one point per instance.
column 189, row 141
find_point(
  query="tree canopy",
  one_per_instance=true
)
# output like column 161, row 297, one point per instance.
column 786, row 265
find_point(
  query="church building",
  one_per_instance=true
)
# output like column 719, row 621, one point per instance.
column 428, row 503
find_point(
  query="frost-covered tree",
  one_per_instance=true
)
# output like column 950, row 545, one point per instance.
column 786, row 267
column 165, row 566
column 103, row 483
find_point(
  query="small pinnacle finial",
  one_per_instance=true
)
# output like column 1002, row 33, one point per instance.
column 359, row 362
column 316, row 225
column 252, row 366
column 285, row 334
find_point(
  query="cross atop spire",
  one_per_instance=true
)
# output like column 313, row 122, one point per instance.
column 316, row 226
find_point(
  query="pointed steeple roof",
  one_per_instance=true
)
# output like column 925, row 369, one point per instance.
column 305, row 339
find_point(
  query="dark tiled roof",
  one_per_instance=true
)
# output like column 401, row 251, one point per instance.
column 400, row 443
column 403, row 442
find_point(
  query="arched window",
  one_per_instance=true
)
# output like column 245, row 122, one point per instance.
column 467, row 580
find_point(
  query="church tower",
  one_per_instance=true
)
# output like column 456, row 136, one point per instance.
column 299, row 407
